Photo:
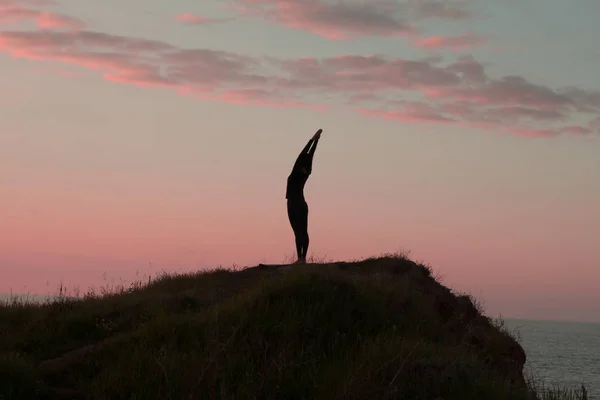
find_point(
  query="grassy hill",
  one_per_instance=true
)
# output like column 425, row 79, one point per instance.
column 381, row 328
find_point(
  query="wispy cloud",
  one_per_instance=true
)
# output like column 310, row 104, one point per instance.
column 15, row 13
column 30, row 3
column 132, row 60
column 348, row 19
column 339, row 20
column 455, row 42
column 459, row 92
column 193, row 19
column 594, row 125
column 576, row 130
column 197, row 19
column 412, row 113
column 333, row 20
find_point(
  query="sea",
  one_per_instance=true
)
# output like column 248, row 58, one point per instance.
column 564, row 354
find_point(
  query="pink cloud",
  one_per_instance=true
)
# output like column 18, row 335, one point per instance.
column 586, row 100
column 260, row 98
column 13, row 13
column 48, row 20
column 130, row 59
column 575, row 130
column 533, row 133
column 514, row 90
column 209, row 74
column 364, row 74
column 342, row 20
column 409, row 115
column 193, row 19
column 333, row 20
column 594, row 125
column 32, row 3
column 424, row 114
column 456, row 43
column 460, row 92
column 421, row 113
column 351, row 18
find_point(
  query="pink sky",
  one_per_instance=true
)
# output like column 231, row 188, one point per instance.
column 159, row 137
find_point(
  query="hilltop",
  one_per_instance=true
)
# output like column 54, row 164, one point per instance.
column 381, row 328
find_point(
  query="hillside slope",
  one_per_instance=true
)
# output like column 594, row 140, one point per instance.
column 382, row 328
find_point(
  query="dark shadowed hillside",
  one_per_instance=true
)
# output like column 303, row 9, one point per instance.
column 381, row 328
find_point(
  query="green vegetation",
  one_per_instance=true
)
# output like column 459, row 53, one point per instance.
column 381, row 328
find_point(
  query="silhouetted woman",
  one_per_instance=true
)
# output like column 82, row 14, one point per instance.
column 296, row 204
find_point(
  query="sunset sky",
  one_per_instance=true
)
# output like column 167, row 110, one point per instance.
column 143, row 135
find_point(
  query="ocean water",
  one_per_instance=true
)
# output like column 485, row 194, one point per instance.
column 566, row 354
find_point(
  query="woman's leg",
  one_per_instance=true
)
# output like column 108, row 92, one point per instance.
column 304, row 230
column 295, row 217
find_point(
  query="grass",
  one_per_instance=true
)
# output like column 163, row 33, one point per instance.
column 380, row 328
